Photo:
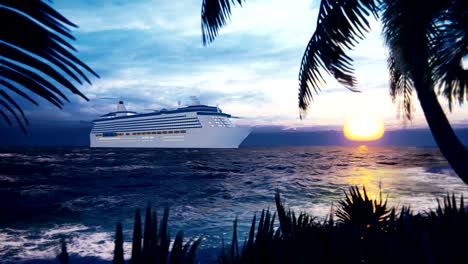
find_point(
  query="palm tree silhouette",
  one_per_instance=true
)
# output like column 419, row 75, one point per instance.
column 427, row 40
column 37, row 58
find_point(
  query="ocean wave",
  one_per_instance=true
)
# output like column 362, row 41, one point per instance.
column 91, row 203
column 204, row 189
column 5, row 178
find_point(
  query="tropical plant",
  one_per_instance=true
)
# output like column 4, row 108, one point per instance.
column 360, row 211
column 36, row 58
column 401, row 237
column 427, row 40
column 156, row 243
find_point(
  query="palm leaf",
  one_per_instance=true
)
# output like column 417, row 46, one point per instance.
column 37, row 56
column 436, row 34
column 215, row 14
column 340, row 25
column 450, row 45
column 401, row 86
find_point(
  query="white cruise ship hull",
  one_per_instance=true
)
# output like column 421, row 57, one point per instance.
column 189, row 127
column 194, row 138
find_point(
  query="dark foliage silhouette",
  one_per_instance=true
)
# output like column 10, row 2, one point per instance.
column 118, row 250
column 136, row 241
column 360, row 211
column 426, row 40
column 156, row 243
column 37, row 58
column 62, row 257
column 367, row 232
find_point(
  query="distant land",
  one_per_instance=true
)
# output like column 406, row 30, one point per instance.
column 77, row 134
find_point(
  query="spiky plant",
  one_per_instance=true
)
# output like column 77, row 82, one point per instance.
column 118, row 248
column 360, row 211
column 158, row 242
column 136, row 241
column 147, row 236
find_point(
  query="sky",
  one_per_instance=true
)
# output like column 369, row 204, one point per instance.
column 149, row 54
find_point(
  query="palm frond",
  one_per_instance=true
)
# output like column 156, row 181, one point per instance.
column 401, row 86
column 450, row 45
column 407, row 29
column 215, row 14
column 340, row 26
column 38, row 58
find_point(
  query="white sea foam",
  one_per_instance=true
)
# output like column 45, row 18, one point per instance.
column 7, row 178
column 17, row 244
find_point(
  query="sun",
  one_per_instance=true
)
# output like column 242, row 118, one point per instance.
column 363, row 128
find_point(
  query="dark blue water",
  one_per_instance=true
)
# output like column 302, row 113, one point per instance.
column 80, row 194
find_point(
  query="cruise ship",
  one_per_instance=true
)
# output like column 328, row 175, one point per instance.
column 193, row 126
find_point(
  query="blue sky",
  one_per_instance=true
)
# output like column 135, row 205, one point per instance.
column 150, row 54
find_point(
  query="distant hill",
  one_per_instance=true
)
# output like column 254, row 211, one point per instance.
column 404, row 137
column 77, row 134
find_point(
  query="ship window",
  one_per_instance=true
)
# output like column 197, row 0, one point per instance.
column 164, row 132
column 183, row 131
column 176, row 132
column 170, row 132
column 159, row 132
column 127, row 134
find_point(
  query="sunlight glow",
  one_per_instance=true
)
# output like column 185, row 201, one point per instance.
column 363, row 128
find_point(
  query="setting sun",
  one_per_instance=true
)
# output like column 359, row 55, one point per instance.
column 363, row 128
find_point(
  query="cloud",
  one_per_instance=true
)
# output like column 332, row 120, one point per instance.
column 149, row 53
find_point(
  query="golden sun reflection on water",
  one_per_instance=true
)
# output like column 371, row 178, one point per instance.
column 363, row 148
column 370, row 179
column 375, row 180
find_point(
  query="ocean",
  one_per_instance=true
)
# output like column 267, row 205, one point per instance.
column 79, row 194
